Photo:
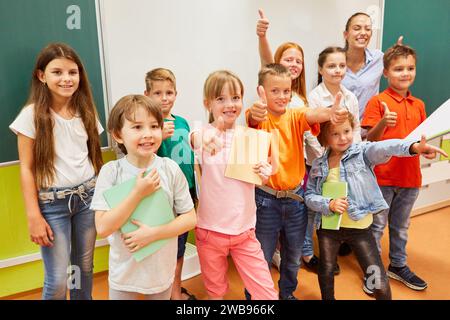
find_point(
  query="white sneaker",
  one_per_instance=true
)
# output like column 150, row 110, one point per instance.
column 276, row 259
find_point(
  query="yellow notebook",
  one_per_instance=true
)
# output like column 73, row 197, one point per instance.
column 249, row 146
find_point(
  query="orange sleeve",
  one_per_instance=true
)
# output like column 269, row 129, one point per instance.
column 373, row 114
column 300, row 117
column 247, row 114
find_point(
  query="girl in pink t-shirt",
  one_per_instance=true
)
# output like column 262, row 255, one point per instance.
column 227, row 211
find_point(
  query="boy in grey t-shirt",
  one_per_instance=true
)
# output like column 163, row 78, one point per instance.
column 136, row 123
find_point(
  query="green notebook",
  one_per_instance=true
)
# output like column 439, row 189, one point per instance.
column 153, row 210
column 333, row 190
column 445, row 145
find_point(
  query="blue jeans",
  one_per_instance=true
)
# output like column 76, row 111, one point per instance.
column 286, row 219
column 73, row 226
column 400, row 202
column 308, row 249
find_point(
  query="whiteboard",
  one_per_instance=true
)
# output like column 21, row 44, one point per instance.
column 435, row 125
column 196, row 37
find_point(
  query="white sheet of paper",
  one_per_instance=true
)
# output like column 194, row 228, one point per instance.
column 437, row 124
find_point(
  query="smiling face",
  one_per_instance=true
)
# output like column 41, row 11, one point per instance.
column 62, row 78
column 292, row 59
column 227, row 105
column 401, row 73
column 359, row 32
column 334, row 68
column 141, row 136
column 340, row 137
column 278, row 93
column 164, row 92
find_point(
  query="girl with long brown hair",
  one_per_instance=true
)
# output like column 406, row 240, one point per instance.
column 59, row 152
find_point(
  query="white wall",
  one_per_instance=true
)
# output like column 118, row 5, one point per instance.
column 196, row 37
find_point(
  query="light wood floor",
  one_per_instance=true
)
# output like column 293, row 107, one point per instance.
column 428, row 256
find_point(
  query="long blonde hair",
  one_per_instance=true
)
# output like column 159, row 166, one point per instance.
column 81, row 103
column 298, row 85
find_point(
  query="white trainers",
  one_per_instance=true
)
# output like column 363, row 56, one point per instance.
column 276, row 259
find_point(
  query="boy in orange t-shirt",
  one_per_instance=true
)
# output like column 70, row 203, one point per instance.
column 395, row 113
column 280, row 208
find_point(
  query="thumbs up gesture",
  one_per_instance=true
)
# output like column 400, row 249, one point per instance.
column 389, row 118
column 428, row 151
column 338, row 114
column 212, row 142
column 262, row 25
column 258, row 111
column 168, row 129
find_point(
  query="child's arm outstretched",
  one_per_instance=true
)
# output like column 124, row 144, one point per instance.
column 265, row 54
column 382, row 151
column 336, row 114
column 144, row 234
column 107, row 222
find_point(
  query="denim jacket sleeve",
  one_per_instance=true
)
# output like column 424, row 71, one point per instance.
column 382, row 151
column 313, row 195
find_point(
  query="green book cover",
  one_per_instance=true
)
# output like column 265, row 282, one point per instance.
column 153, row 210
column 333, row 190
column 445, row 145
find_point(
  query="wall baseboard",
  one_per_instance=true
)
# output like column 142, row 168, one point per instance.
column 429, row 208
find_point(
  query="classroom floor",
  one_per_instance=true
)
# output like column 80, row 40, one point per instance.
column 428, row 256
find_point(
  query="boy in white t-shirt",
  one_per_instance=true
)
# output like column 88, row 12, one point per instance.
column 136, row 125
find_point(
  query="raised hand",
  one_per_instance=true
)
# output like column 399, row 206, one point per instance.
column 146, row 185
column 427, row 150
column 168, row 129
column 258, row 110
column 338, row 114
column 400, row 41
column 212, row 141
column 262, row 25
column 338, row 205
column 389, row 118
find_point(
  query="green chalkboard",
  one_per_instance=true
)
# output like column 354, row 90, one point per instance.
column 425, row 24
column 26, row 27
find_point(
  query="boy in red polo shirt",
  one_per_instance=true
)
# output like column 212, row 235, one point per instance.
column 395, row 113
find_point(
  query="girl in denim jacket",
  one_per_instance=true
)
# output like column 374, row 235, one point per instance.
column 353, row 164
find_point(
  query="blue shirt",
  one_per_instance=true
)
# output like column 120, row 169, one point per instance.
column 356, row 168
column 366, row 82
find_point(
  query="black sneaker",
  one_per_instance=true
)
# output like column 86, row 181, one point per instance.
column 312, row 264
column 344, row 249
column 405, row 275
column 289, row 297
